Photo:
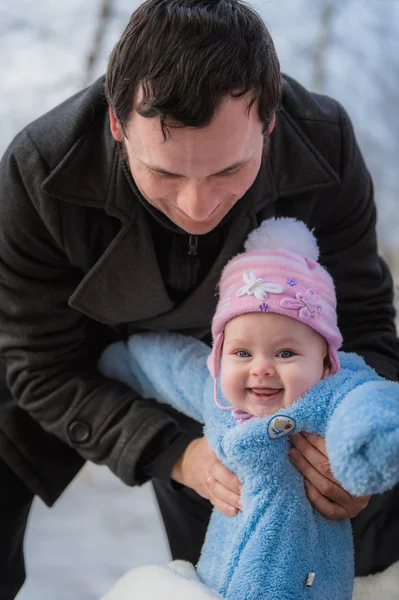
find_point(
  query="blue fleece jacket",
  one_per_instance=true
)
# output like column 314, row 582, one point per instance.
column 279, row 547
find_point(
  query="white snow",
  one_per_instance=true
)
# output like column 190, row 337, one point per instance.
column 96, row 532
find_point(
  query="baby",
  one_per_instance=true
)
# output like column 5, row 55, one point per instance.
column 275, row 369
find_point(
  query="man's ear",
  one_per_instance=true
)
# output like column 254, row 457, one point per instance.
column 272, row 124
column 116, row 129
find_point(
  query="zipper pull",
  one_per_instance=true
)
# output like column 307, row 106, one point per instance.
column 192, row 245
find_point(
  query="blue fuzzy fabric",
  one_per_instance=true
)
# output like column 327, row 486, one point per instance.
column 268, row 550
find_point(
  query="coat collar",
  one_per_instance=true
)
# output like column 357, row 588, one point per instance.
column 87, row 172
column 121, row 288
column 296, row 164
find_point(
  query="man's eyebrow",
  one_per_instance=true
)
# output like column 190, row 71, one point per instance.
column 233, row 167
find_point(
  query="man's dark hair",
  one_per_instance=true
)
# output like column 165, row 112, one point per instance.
column 187, row 56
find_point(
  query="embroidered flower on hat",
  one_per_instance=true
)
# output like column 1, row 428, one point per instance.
column 291, row 281
column 306, row 302
column 257, row 286
column 264, row 307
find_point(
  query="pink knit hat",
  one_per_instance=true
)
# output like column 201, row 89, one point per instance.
column 279, row 273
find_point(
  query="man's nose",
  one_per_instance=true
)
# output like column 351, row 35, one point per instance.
column 196, row 200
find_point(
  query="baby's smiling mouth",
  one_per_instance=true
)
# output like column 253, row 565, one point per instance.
column 265, row 393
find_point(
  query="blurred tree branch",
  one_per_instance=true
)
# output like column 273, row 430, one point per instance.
column 322, row 45
column 103, row 18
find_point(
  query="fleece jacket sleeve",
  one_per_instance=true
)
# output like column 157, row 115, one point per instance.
column 169, row 367
column 362, row 438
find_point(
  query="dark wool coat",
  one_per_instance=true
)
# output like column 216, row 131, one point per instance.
column 79, row 267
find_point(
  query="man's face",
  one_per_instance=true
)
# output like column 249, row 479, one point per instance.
column 197, row 175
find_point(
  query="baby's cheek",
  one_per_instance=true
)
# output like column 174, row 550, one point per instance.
column 304, row 381
column 298, row 379
column 231, row 382
column 225, row 377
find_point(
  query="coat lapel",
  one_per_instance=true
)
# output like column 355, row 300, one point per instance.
column 125, row 283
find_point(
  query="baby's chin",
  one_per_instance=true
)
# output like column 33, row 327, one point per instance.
column 262, row 405
column 264, row 411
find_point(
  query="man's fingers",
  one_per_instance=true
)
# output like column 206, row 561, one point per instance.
column 312, row 447
column 360, row 503
column 224, row 488
column 223, row 507
column 323, row 505
column 331, row 510
column 326, row 486
column 316, row 440
column 221, row 474
column 199, row 469
column 223, row 496
column 324, row 491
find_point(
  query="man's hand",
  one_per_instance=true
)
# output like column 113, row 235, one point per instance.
column 199, row 469
column 309, row 456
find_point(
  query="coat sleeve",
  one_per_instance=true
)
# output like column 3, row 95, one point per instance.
column 168, row 367
column 362, row 438
column 50, row 350
column 346, row 229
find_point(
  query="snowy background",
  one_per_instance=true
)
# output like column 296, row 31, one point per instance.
column 48, row 50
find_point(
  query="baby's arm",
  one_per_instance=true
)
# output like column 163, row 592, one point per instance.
column 362, row 438
column 166, row 366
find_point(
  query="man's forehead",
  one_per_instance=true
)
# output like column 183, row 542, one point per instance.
column 241, row 110
column 233, row 137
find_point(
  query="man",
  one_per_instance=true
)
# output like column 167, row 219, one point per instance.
column 118, row 216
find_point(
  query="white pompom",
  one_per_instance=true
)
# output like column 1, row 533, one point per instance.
column 284, row 233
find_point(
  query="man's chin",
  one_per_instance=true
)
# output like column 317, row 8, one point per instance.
column 197, row 227
column 193, row 227
column 200, row 229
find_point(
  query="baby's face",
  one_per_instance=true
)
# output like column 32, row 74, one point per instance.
column 269, row 361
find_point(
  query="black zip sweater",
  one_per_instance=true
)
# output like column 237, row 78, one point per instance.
column 184, row 259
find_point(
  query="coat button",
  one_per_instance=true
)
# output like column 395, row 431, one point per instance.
column 79, row 432
column 280, row 425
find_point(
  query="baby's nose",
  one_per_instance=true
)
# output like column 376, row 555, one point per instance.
column 263, row 366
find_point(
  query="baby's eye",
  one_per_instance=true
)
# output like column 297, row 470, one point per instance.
column 243, row 353
column 286, row 354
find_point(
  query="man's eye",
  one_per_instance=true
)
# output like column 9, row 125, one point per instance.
column 164, row 175
column 286, row 354
column 229, row 173
column 243, row 353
